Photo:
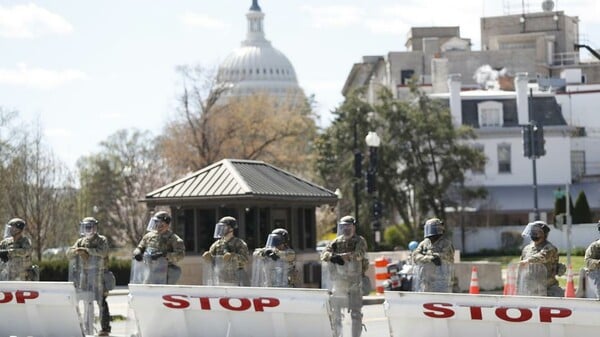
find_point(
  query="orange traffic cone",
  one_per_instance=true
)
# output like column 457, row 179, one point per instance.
column 474, row 286
column 510, row 285
column 570, row 289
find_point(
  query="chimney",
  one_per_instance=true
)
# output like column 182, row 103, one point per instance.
column 521, row 81
column 454, row 84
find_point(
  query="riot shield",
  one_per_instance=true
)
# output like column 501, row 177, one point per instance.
column 219, row 272
column 429, row 277
column 269, row 273
column 532, row 279
column 151, row 270
column 13, row 270
column 345, row 284
column 592, row 284
column 86, row 274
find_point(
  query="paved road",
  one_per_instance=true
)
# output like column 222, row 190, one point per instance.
column 374, row 316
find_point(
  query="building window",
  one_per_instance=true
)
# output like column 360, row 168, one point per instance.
column 504, row 158
column 405, row 76
column 480, row 169
column 490, row 114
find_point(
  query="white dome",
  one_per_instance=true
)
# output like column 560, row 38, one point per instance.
column 256, row 66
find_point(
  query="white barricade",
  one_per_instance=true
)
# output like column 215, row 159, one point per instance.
column 168, row 310
column 39, row 309
column 464, row 315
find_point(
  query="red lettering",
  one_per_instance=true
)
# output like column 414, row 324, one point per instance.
column 476, row 313
column 22, row 295
column 7, row 296
column 438, row 310
column 546, row 314
column 204, row 303
column 262, row 302
column 244, row 304
column 525, row 314
column 174, row 302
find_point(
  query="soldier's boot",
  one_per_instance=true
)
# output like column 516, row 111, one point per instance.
column 104, row 318
column 357, row 325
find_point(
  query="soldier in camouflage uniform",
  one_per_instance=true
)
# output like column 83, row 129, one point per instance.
column 278, row 246
column 541, row 251
column 592, row 254
column 16, row 249
column 161, row 242
column 232, row 250
column 434, row 257
column 591, row 271
column 93, row 244
column 348, row 248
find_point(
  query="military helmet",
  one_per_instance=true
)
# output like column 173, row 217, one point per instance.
column 433, row 226
column 17, row 223
column 283, row 233
column 229, row 221
column 90, row 219
column 348, row 220
column 163, row 216
column 88, row 226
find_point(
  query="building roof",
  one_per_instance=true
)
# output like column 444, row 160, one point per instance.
column 241, row 179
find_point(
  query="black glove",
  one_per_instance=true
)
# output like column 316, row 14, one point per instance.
column 337, row 259
column 4, row 255
column 138, row 257
column 436, row 260
column 155, row 256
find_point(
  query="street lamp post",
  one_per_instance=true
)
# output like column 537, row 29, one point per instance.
column 373, row 141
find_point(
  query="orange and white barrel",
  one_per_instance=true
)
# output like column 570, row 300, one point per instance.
column 381, row 273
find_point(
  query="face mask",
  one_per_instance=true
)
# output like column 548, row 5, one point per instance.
column 534, row 237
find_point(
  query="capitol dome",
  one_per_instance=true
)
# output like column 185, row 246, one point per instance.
column 256, row 66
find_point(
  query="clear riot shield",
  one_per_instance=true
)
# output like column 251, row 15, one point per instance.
column 13, row 270
column 150, row 270
column 592, row 284
column 222, row 273
column 86, row 274
column 345, row 284
column 532, row 279
column 431, row 278
column 269, row 273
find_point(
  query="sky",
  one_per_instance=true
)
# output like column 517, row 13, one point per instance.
column 84, row 69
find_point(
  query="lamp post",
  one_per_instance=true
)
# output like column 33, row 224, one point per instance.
column 338, row 194
column 373, row 141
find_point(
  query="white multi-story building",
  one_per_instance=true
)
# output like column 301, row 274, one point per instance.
column 543, row 80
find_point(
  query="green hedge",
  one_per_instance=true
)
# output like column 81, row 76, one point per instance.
column 58, row 270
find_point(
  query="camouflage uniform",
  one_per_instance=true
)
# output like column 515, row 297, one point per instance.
column 236, row 246
column 171, row 245
column 545, row 253
column 19, row 254
column 592, row 256
column 288, row 255
column 356, row 247
column 432, row 277
column 96, row 245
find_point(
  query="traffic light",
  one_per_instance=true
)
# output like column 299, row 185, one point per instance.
column 538, row 141
column 377, row 209
column 526, row 132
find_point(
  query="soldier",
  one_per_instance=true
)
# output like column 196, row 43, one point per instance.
column 92, row 244
column 160, row 244
column 229, row 254
column 15, row 252
column 345, row 263
column 589, row 276
column 434, row 259
column 276, row 249
column 540, row 257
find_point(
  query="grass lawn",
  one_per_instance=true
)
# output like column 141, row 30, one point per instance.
column 576, row 261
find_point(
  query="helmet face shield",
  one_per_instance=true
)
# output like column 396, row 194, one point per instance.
column 221, row 229
column 274, row 240
column 87, row 229
column 8, row 231
column 533, row 230
column 345, row 228
column 154, row 224
column 432, row 229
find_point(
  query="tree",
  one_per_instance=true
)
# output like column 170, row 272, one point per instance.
column 582, row 212
column 40, row 189
column 421, row 157
column 114, row 180
column 212, row 125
